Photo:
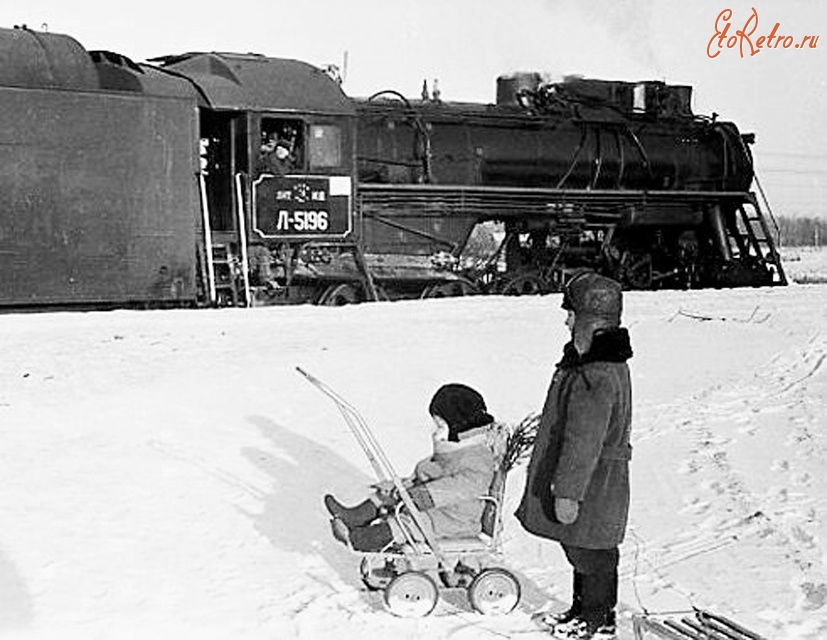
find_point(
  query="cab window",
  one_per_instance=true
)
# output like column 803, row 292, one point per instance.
column 281, row 149
column 325, row 148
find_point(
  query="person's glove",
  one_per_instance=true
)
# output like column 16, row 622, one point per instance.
column 421, row 498
column 384, row 487
column 427, row 470
column 566, row 510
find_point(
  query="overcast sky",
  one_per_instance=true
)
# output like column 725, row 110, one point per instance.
column 779, row 93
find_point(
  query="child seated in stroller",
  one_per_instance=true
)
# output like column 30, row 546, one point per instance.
column 446, row 487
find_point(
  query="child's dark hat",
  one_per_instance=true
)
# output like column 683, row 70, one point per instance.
column 461, row 407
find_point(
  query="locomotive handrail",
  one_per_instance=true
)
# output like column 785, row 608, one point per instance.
column 208, row 247
column 588, row 194
column 418, row 126
column 584, row 132
column 242, row 236
column 768, row 207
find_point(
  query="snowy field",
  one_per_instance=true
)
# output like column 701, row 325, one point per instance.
column 805, row 265
column 161, row 473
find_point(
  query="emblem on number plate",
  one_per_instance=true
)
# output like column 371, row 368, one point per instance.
column 302, row 192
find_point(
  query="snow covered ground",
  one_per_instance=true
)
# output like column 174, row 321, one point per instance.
column 805, row 265
column 161, row 473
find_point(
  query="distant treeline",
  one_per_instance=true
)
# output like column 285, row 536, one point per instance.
column 802, row 232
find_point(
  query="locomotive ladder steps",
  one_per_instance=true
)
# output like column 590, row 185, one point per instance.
column 225, row 280
column 756, row 235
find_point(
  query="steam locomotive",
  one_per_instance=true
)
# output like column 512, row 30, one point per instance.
column 230, row 179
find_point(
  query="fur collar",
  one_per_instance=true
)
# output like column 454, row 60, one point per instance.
column 608, row 345
column 467, row 439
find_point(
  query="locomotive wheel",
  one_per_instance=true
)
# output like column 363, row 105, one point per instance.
column 638, row 273
column 338, row 295
column 412, row 594
column 525, row 285
column 439, row 291
column 450, row 289
column 494, row 591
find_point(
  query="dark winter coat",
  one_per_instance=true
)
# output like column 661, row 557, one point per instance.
column 455, row 477
column 582, row 448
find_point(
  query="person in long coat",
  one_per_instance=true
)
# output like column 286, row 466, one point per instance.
column 577, row 486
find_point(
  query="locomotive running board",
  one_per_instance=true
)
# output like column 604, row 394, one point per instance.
column 701, row 625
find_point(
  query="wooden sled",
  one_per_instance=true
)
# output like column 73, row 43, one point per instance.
column 695, row 625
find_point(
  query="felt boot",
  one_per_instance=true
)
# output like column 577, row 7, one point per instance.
column 340, row 531
column 574, row 611
column 374, row 537
column 358, row 516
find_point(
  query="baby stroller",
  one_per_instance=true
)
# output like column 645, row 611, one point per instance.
column 411, row 574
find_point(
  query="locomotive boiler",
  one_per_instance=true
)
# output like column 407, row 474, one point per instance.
column 238, row 179
column 616, row 176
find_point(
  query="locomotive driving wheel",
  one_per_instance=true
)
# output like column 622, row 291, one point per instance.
column 637, row 270
column 450, row 289
column 525, row 285
column 338, row 295
column 412, row 594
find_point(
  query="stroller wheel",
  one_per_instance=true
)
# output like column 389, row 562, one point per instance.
column 412, row 594
column 494, row 591
column 376, row 574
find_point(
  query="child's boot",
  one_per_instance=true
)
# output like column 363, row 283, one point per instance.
column 358, row 516
column 340, row 531
column 374, row 537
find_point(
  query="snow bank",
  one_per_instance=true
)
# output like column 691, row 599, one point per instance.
column 161, row 473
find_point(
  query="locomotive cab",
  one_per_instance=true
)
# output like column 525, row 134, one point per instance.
column 277, row 162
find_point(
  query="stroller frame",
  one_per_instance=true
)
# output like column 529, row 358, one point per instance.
column 411, row 574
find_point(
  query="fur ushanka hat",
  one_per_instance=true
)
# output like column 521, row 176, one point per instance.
column 594, row 297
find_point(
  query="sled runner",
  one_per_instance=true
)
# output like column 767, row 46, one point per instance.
column 411, row 574
column 696, row 625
